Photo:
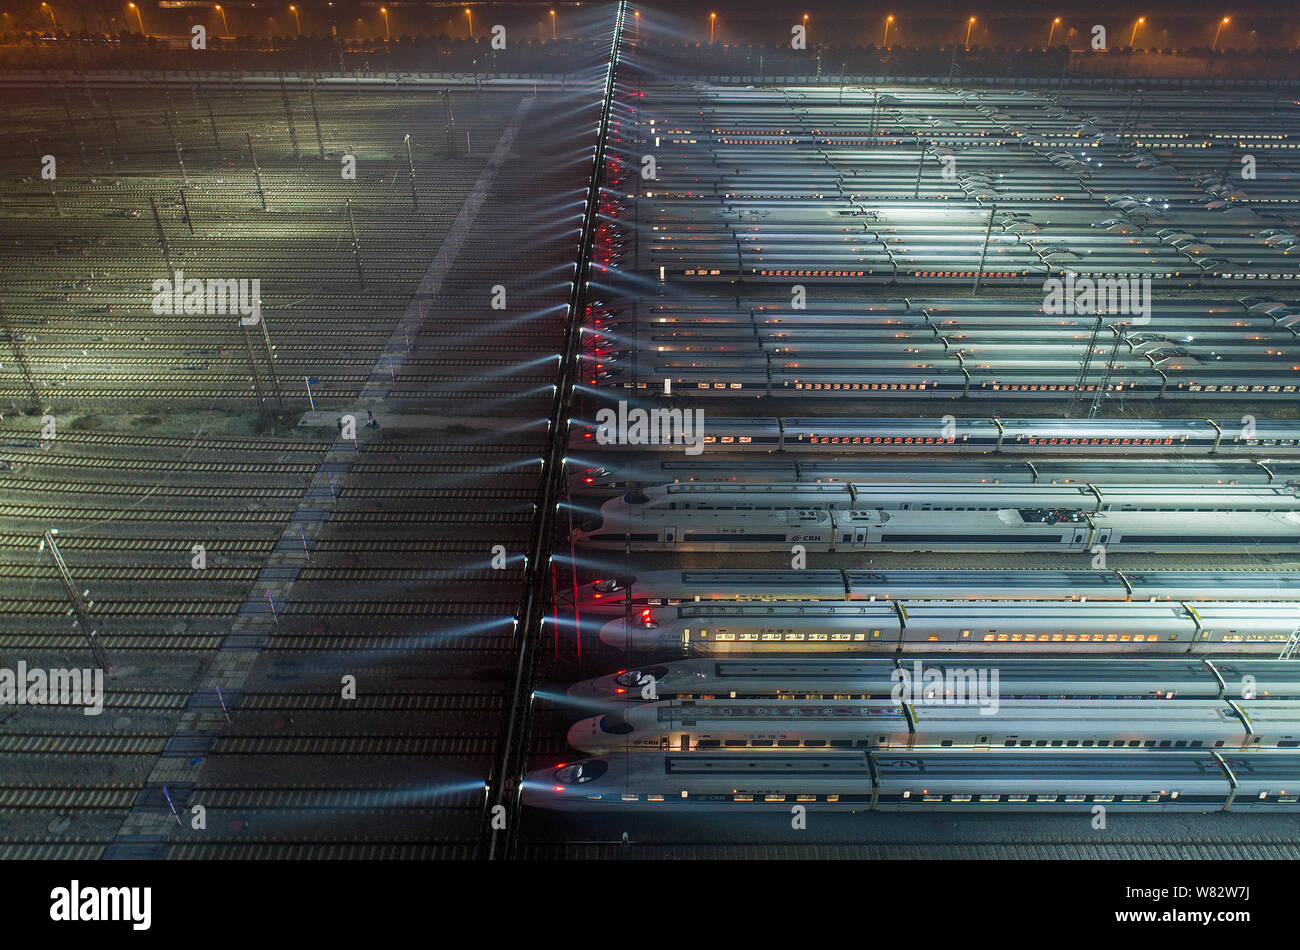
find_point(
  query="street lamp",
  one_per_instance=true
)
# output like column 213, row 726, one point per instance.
column 884, row 44
column 552, row 24
column 50, row 10
column 805, row 27
column 294, row 11
column 1052, row 32
column 137, row 15
column 636, row 24
column 713, row 19
column 224, row 24
column 1222, row 24
column 969, row 26
column 387, row 34
column 1133, row 35
column 471, row 22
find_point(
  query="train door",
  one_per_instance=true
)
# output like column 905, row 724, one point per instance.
column 1078, row 537
column 670, row 536
column 1102, row 536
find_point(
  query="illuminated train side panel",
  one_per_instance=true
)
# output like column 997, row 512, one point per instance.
column 621, row 474
column 659, row 590
column 971, row 723
column 1071, row 780
column 787, row 678
column 1003, row 436
column 994, row 627
column 1011, row 529
column 899, row 496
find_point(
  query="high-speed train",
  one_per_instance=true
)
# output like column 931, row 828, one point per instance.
column 619, row 473
column 902, row 496
column 837, row 435
column 968, row 721
column 1008, row 529
column 782, row 678
column 954, row 626
column 1059, row 780
column 634, row 592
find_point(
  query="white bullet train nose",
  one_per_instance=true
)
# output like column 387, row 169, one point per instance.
column 636, row 635
column 582, row 732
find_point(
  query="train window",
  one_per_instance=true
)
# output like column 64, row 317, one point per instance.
column 1288, row 743
column 1026, row 742
column 1218, row 744
column 709, row 743
column 841, row 743
column 1087, row 742
column 787, row 743
column 761, row 743
column 733, row 743
column 1196, row 744
column 990, row 798
column 1076, row 798
column 1072, row 742
column 814, row 743
column 1103, row 798
column 946, row 742
column 1102, row 743
column 1164, row 743
column 1042, row 742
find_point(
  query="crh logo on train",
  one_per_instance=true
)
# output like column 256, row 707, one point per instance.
column 24, row 686
column 179, row 295
column 1087, row 295
column 949, row 686
column 636, row 426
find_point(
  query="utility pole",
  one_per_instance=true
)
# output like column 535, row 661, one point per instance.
column 288, row 115
column 410, row 163
column 162, row 236
column 80, row 606
column 988, row 232
column 21, row 357
column 356, row 246
column 1082, row 378
column 256, row 171
column 257, row 378
column 1118, row 330
column 315, row 117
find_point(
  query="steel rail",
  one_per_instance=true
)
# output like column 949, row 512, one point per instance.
column 498, row 835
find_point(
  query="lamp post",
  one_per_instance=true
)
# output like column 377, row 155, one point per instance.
column 50, row 10
column 224, row 25
column 552, row 24
column 387, row 34
column 1132, row 36
column 970, row 25
column 713, row 20
column 1222, row 24
column 294, row 10
column 137, row 15
column 470, row 17
column 884, row 44
column 636, row 24
column 1052, row 32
